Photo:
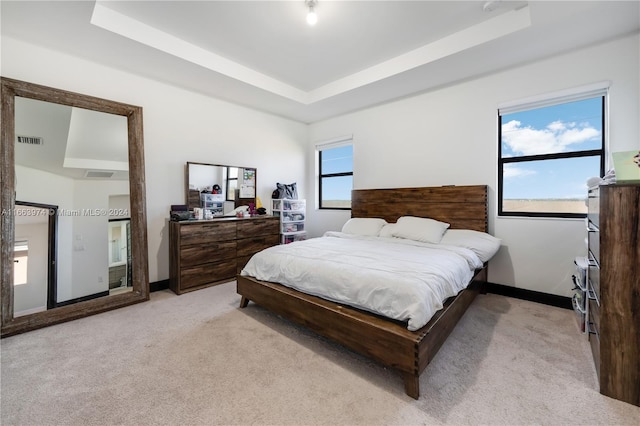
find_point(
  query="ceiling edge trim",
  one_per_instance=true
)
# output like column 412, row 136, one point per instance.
column 484, row 32
column 140, row 32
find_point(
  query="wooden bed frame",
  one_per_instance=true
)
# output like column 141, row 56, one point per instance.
column 384, row 340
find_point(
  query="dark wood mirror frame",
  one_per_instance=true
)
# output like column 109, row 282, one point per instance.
column 140, row 292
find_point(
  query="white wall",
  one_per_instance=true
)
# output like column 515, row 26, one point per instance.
column 179, row 126
column 82, row 258
column 120, row 205
column 449, row 136
column 90, row 235
column 32, row 295
column 37, row 186
column 446, row 136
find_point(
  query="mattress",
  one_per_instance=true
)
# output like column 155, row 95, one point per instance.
column 401, row 279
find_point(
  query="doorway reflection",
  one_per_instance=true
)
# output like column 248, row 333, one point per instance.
column 34, row 254
column 119, row 256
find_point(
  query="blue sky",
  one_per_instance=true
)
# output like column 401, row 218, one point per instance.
column 337, row 160
column 573, row 126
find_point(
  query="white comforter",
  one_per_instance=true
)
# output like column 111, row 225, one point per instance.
column 400, row 279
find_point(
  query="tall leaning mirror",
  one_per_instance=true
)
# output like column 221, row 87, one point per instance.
column 74, row 234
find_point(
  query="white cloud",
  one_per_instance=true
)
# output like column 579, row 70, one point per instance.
column 556, row 126
column 511, row 171
column 556, row 137
column 578, row 135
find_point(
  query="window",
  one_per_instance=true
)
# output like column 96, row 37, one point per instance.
column 21, row 262
column 232, row 183
column 547, row 150
column 335, row 159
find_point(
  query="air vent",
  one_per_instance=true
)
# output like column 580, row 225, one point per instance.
column 30, row 140
column 99, row 174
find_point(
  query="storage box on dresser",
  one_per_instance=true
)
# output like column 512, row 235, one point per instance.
column 208, row 252
column 292, row 219
column 614, row 288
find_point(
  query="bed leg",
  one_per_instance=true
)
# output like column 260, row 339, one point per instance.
column 244, row 302
column 411, row 384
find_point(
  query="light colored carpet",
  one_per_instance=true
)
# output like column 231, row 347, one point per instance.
column 196, row 359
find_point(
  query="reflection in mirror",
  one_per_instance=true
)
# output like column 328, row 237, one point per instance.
column 76, row 159
column 219, row 189
column 119, row 255
column 34, row 262
column 78, row 231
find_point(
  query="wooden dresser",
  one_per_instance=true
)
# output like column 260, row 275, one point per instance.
column 209, row 252
column 614, row 288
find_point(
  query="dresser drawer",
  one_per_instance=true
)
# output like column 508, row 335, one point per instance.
column 207, row 273
column 242, row 261
column 256, row 227
column 594, row 244
column 594, row 281
column 594, row 341
column 201, row 233
column 250, row 246
column 206, row 253
column 594, row 317
column 593, row 206
column 594, row 333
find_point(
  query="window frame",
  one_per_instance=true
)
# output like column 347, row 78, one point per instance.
column 538, row 104
column 230, row 195
column 327, row 145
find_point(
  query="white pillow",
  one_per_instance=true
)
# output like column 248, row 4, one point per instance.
column 388, row 230
column 364, row 226
column 420, row 229
column 482, row 244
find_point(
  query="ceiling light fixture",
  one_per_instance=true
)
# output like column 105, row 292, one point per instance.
column 312, row 18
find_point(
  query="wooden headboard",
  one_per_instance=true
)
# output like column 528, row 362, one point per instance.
column 464, row 207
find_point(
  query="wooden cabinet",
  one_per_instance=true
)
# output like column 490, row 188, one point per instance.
column 614, row 288
column 209, row 252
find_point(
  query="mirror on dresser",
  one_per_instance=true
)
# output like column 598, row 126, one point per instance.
column 73, row 206
column 219, row 189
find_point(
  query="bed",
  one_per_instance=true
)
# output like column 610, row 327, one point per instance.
column 386, row 340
